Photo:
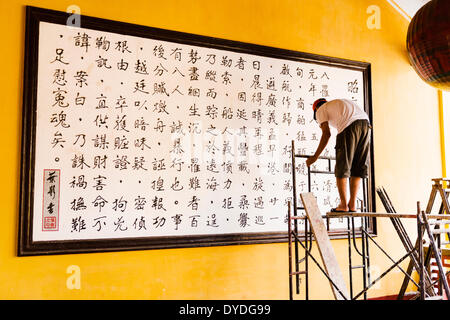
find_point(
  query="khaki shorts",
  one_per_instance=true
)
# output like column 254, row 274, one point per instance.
column 352, row 150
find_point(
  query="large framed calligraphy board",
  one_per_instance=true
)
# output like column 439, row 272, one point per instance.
column 142, row 138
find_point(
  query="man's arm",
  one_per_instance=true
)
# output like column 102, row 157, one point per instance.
column 326, row 134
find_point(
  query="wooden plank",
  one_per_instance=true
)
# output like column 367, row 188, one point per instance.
column 384, row 215
column 440, row 179
column 439, row 222
column 327, row 254
column 438, row 231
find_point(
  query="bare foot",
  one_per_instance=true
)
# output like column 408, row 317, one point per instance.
column 340, row 209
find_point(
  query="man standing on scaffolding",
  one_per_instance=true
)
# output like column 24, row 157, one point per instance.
column 352, row 145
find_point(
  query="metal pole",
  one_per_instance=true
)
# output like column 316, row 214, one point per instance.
column 387, row 255
column 437, row 255
column 290, row 250
column 363, row 245
column 350, row 267
column 323, row 271
column 306, row 260
column 366, row 219
column 420, row 249
column 403, row 235
column 382, row 275
column 306, row 242
column 294, row 199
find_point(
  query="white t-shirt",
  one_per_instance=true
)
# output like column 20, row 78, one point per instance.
column 340, row 113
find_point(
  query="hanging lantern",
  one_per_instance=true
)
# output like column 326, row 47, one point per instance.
column 428, row 43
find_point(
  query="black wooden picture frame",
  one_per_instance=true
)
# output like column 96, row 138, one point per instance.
column 26, row 245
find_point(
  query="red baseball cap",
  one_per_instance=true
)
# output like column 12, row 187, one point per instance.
column 318, row 102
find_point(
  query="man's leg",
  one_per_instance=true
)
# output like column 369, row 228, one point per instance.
column 345, row 150
column 341, row 184
column 355, row 182
column 360, row 164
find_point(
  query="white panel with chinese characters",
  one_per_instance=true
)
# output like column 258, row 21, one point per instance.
column 147, row 138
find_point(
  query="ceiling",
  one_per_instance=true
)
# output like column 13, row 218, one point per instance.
column 407, row 8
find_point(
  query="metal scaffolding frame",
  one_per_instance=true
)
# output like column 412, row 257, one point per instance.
column 415, row 253
column 306, row 240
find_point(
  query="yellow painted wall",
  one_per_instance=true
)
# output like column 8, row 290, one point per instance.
column 406, row 135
